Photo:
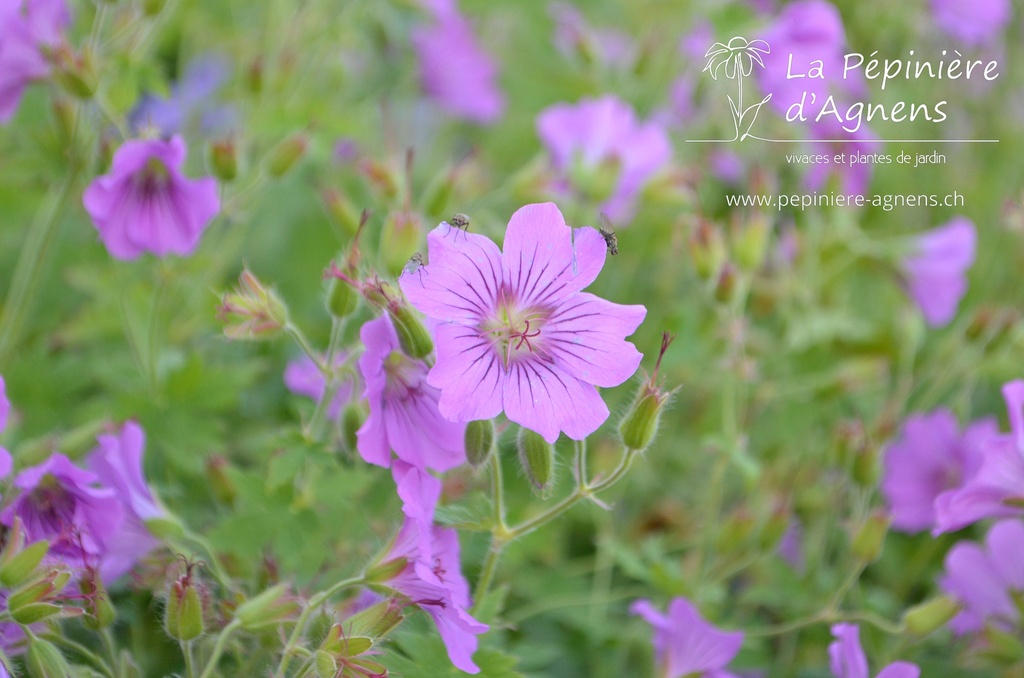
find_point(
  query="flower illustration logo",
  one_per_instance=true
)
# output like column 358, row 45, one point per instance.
column 737, row 59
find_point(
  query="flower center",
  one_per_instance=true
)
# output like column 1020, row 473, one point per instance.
column 153, row 177
column 404, row 375
column 54, row 506
column 515, row 332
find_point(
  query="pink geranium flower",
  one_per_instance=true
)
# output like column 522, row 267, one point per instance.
column 581, row 138
column 997, row 489
column 432, row 580
column 930, row 457
column 26, row 28
column 984, row 580
column 145, row 203
column 937, row 269
column 687, row 645
column 303, row 377
column 847, row 658
column 516, row 333
column 117, row 462
column 404, row 414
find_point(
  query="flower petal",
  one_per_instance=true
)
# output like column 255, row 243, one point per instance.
column 469, row 373
column 586, row 337
column 544, row 398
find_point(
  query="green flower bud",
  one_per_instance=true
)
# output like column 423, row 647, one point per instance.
column 183, row 616
column 751, row 245
column 707, row 249
column 286, row 154
column 381, row 177
column 16, row 567
column 479, row 442
column 34, row 612
column 40, row 590
column 44, row 660
column 385, row 571
column 868, row 540
column 930, row 615
column 76, row 74
column 273, row 606
column 166, row 527
column 364, row 628
column 537, row 457
column 725, row 286
column 352, row 419
column 326, row 667
column 224, row 160
column 341, row 209
column 402, row 234
column 342, row 298
column 220, row 482
column 640, row 424
column 252, row 311
column 412, row 335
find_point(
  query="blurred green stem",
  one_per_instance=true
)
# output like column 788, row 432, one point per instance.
column 82, row 651
column 218, row 648
column 25, row 283
column 331, row 382
column 190, row 659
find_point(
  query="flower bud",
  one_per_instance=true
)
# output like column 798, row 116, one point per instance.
column 341, row 210
column 40, row 590
column 76, row 74
column 385, row 571
column 224, row 160
column 725, row 286
column 165, row 527
column 326, row 667
column 598, row 182
column 413, row 337
column 380, row 176
column 751, row 244
column 342, row 298
column 255, row 309
column 537, row 457
column 640, row 423
column 363, row 628
column 402, row 234
column 220, row 482
column 183, row 615
column 98, row 609
column 273, row 606
column 17, row 566
column 44, row 660
column 479, row 442
column 35, row 612
column 286, row 154
column 352, row 419
column 153, row 7
column 868, row 540
column 930, row 615
column 707, row 249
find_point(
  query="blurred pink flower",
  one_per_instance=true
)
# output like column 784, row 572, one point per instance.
column 847, row 658
column 930, row 457
column 972, row 23
column 982, row 579
column 5, row 405
column 304, row 378
column 997, row 489
column 685, row 644
column 145, row 203
column 27, row 27
column 594, row 135
column 936, row 271
column 454, row 69
column 515, row 331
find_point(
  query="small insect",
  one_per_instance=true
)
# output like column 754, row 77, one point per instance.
column 610, row 239
column 414, row 265
column 459, row 221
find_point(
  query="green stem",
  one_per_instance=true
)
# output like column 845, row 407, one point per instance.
column 190, row 659
column 218, row 648
column 299, row 338
column 314, row 602
column 331, row 382
column 25, row 282
column 82, row 651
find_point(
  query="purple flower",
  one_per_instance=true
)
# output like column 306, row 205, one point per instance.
column 687, row 645
column 304, row 378
column 982, row 580
column 454, row 70
column 972, row 23
column 997, row 489
column 937, row 270
column 117, row 462
column 930, row 457
column 516, row 333
column 573, row 34
column 432, row 579
column 26, row 27
column 147, row 204
column 65, row 505
column 847, row 660
column 804, row 32
column 404, row 414
column 594, row 135
column 192, row 97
